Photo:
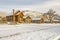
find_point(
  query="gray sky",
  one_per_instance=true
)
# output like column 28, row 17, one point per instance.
column 38, row 5
column 20, row 2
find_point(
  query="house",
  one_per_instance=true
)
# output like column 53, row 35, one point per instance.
column 4, row 20
column 57, row 19
column 36, row 20
column 42, row 20
column 17, row 17
column 28, row 19
column 9, row 18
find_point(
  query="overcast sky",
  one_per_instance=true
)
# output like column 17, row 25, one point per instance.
column 38, row 5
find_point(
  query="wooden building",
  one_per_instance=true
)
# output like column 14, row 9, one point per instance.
column 41, row 20
column 9, row 18
column 16, row 17
column 28, row 19
column 19, row 17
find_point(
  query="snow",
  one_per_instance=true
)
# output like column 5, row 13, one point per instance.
column 29, row 32
column 57, row 38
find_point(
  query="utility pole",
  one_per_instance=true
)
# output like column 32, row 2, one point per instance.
column 13, row 16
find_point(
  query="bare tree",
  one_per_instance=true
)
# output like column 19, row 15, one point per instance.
column 51, row 15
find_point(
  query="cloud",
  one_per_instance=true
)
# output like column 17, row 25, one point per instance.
column 37, row 5
column 20, row 2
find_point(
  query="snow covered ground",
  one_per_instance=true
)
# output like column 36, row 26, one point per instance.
column 30, row 32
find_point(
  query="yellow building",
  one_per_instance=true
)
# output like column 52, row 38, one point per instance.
column 41, row 20
column 44, row 18
column 28, row 19
column 16, row 17
column 19, row 16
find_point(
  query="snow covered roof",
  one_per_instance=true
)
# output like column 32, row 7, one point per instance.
column 56, row 17
column 25, row 16
column 36, row 18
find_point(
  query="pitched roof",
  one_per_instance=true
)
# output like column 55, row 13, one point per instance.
column 28, row 17
column 36, row 18
column 17, row 11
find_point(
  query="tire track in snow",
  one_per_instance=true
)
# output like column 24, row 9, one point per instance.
column 25, row 32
